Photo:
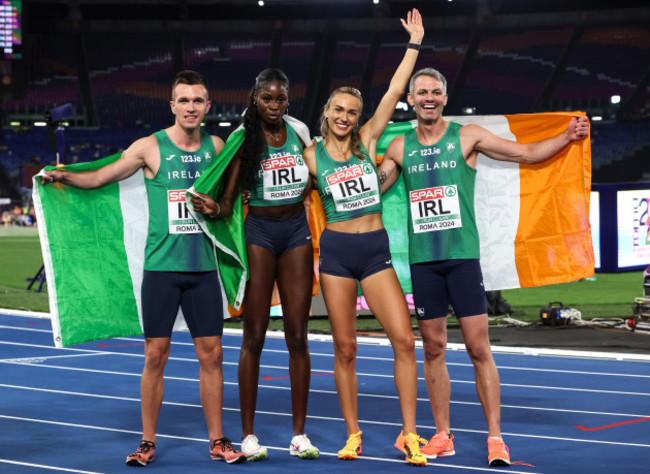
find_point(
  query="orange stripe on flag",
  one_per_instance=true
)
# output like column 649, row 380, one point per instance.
column 553, row 242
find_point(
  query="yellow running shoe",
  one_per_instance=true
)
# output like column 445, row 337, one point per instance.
column 412, row 448
column 399, row 442
column 352, row 447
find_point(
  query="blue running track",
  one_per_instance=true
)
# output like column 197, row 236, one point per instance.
column 77, row 409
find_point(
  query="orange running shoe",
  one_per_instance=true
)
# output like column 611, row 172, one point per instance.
column 222, row 448
column 352, row 447
column 498, row 454
column 143, row 455
column 442, row 444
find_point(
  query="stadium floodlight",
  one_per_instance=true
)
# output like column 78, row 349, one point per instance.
column 615, row 99
column 260, row 3
column 40, row 123
column 225, row 124
column 596, row 118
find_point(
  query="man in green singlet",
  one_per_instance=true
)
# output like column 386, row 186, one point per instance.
column 180, row 268
column 437, row 160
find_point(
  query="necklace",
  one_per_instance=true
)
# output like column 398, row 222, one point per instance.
column 341, row 152
column 273, row 136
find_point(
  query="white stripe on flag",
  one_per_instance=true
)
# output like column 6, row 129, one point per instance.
column 47, row 261
column 497, row 207
column 135, row 215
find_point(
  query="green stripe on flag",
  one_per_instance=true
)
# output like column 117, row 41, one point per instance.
column 228, row 233
column 395, row 211
column 92, row 292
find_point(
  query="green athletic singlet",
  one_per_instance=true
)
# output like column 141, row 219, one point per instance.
column 282, row 176
column 348, row 189
column 440, row 190
column 175, row 242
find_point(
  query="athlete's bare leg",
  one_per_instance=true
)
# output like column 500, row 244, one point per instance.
column 477, row 341
column 436, row 376
column 257, row 301
column 386, row 301
column 156, row 353
column 210, row 355
column 340, row 296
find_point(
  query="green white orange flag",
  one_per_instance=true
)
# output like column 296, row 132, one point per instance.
column 533, row 220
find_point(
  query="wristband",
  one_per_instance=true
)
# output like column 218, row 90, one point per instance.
column 216, row 213
column 414, row 46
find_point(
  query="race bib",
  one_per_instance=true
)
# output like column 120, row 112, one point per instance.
column 284, row 177
column 354, row 188
column 435, row 209
column 180, row 219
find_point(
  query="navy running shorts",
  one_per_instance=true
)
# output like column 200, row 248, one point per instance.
column 354, row 255
column 277, row 235
column 437, row 284
column 198, row 294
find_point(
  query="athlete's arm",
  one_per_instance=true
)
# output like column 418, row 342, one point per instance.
column 218, row 144
column 391, row 166
column 477, row 139
column 374, row 127
column 310, row 184
column 309, row 155
column 139, row 155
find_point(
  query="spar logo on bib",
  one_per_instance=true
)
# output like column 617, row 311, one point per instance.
column 354, row 187
column 180, row 219
column 284, row 177
column 434, row 209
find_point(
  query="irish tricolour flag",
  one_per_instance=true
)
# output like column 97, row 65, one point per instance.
column 533, row 220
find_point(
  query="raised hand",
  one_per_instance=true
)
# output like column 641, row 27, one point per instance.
column 413, row 26
column 578, row 128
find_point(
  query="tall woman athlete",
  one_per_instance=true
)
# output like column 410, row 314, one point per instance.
column 270, row 166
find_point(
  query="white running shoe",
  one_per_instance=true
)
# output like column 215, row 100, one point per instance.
column 250, row 446
column 302, row 447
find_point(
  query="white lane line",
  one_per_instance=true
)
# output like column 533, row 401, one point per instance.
column 38, row 360
column 27, row 314
column 43, row 466
column 193, row 360
column 361, row 357
column 271, row 413
column 49, row 331
column 383, row 341
column 359, row 374
column 275, row 448
column 323, row 418
column 333, row 392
